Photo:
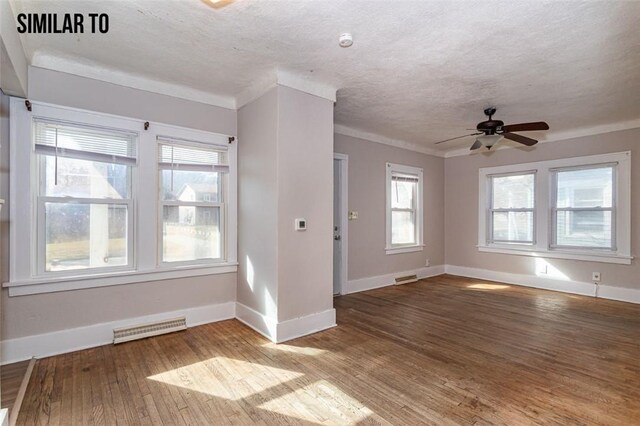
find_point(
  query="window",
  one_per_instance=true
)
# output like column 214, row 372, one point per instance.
column 574, row 208
column 192, row 187
column 583, row 207
column 99, row 200
column 84, row 197
column 404, row 209
column 511, row 210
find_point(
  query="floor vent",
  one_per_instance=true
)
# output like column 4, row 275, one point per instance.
column 141, row 331
column 406, row 279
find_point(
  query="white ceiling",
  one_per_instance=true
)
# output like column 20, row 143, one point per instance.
column 419, row 71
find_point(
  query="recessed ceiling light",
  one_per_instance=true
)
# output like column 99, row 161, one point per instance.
column 346, row 40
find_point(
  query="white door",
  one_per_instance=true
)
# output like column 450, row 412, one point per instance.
column 337, row 235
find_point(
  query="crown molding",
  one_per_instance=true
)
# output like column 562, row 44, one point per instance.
column 288, row 79
column 100, row 72
column 397, row 143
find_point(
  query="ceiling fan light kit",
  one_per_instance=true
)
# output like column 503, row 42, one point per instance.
column 493, row 131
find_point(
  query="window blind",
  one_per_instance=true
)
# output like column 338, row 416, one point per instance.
column 84, row 142
column 172, row 155
column 404, row 178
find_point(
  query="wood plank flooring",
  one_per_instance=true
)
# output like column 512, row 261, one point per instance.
column 446, row 350
column 12, row 376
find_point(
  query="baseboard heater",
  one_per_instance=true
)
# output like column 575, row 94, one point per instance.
column 406, row 279
column 126, row 334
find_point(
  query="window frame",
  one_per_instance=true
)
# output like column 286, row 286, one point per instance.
column 223, row 185
column 491, row 209
column 25, row 252
column 544, row 202
column 553, row 240
column 391, row 169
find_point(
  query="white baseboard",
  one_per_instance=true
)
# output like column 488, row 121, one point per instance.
column 263, row 324
column 282, row 331
column 63, row 341
column 573, row 287
column 309, row 324
column 631, row 295
column 565, row 286
column 369, row 283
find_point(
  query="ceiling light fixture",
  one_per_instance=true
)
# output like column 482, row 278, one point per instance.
column 489, row 140
column 346, row 40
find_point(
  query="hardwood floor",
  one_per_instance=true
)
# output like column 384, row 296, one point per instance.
column 12, row 376
column 446, row 350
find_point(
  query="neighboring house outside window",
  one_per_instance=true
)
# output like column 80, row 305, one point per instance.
column 92, row 206
column 574, row 208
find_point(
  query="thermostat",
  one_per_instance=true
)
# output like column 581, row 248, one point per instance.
column 301, row 224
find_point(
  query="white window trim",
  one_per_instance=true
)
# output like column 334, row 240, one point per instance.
column 145, row 266
column 408, row 248
column 221, row 205
column 543, row 203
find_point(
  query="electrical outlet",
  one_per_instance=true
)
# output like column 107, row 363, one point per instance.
column 595, row 277
column 353, row 215
column 427, row 262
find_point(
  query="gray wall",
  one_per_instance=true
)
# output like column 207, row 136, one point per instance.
column 461, row 201
column 258, row 192
column 29, row 315
column 367, row 234
column 285, row 143
column 305, row 190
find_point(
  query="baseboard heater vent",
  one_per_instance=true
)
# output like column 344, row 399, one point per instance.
column 141, row 331
column 407, row 279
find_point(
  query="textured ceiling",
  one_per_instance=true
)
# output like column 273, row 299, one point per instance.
column 419, row 71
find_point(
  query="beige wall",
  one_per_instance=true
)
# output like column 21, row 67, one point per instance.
column 285, row 142
column 367, row 239
column 305, row 190
column 461, row 201
column 36, row 314
column 258, row 192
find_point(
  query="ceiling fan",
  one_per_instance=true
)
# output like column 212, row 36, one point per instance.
column 493, row 131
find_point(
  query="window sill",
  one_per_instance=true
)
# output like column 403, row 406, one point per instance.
column 78, row 282
column 560, row 254
column 407, row 249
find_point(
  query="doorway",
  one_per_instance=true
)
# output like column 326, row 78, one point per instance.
column 340, row 207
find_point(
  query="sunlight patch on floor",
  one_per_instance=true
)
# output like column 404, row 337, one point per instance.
column 295, row 349
column 485, row 286
column 319, row 402
column 226, row 377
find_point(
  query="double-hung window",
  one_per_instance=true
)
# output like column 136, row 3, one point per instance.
column 99, row 200
column 193, row 182
column 512, row 208
column 583, row 206
column 404, row 208
column 84, row 197
column 572, row 208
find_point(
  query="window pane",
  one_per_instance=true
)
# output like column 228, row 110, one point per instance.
column 180, row 185
column 584, row 229
column 82, row 236
column 513, row 226
column 85, row 179
column 191, row 233
column 585, row 188
column 402, row 194
column 513, row 192
column 403, row 228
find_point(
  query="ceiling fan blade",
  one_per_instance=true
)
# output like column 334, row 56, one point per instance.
column 477, row 144
column 525, row 127
column 520, row 139
column 458, row 137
